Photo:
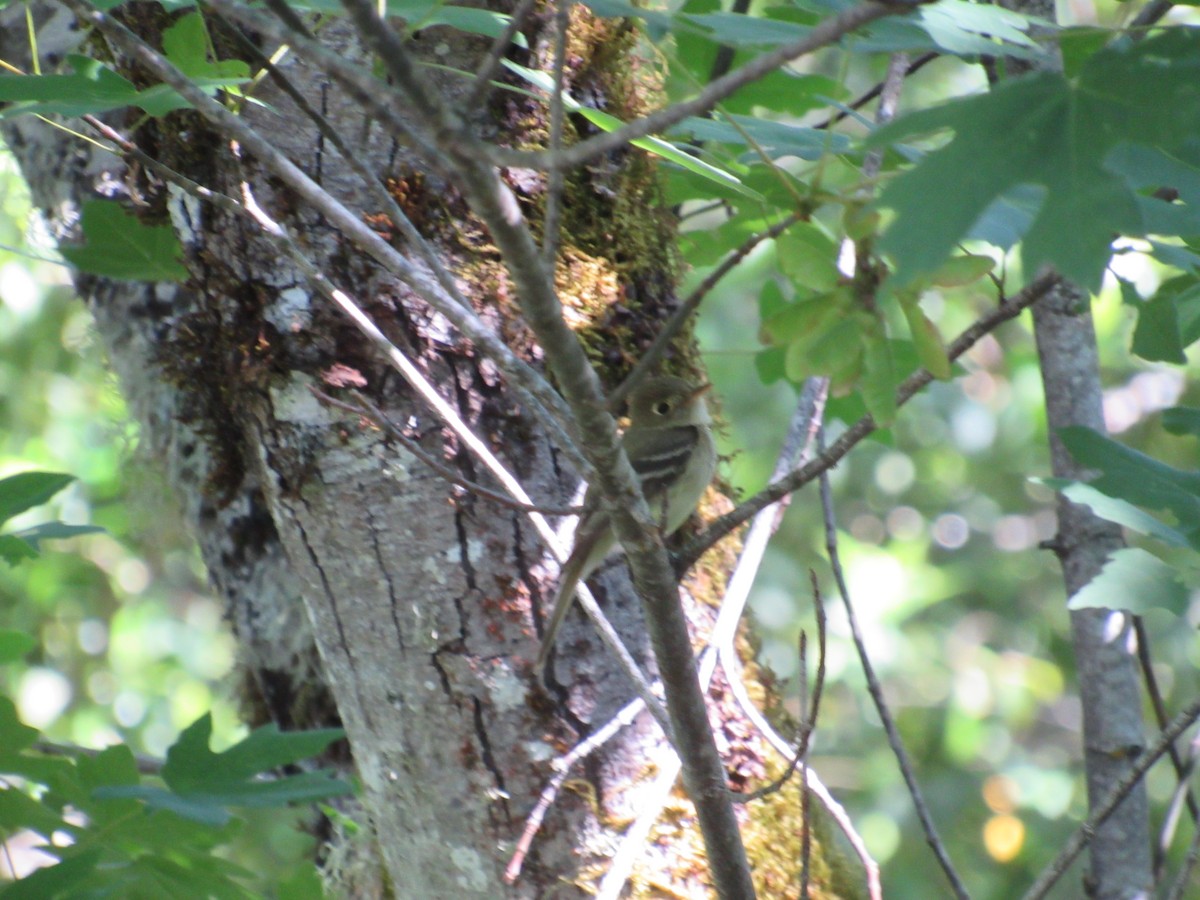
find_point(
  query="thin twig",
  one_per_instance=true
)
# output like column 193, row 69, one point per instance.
column 1184, row 876
column 1149, row 15
column 915, row 66
column 781, row 487
column 1153, row 691
column 554, row 186
column 808, row 715
column 487, row 68
column 826, row 32
column 876, row 691
column 835, row 810
column 674, row 325
column 1102, row 810
column 1175, row 808
column 562, row 767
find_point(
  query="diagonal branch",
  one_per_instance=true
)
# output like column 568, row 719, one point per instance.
column 1108, row 804
column 908, row 388
column 635, row 526
column 342, row 218
column 822, row 35
column 876, row 691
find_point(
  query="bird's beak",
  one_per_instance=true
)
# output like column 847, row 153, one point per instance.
column 700, row 391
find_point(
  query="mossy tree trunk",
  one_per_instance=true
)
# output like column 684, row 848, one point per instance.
column 364, row 589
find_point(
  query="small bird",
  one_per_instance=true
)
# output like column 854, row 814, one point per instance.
column 670, row 445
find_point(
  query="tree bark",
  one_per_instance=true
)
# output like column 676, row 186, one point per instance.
column 364, row 589
column 1120, row 863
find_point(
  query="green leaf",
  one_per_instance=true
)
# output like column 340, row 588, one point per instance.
column 879, row 377
column 809, row 257
column 14, row 645
column 960, row 271
column 93, row 88
column 186, row 45
column 658, row 23
column 952, row 26
column 202, row 783
column 1050, row 131
column 68, row 878
column 770, row 364
column 422, row 14
column 670, row 152
column 807, row 319
column 1078, row 45
column 20, row 811
column 15, row 735
column 1157, row 337
column 776, row 139
column 118, row 245
column 1115, row 510
column 931, row 348
column 1009, row 216
column 1138, row 478
column 54, row 531
column 1136, row 581
column 26, row 490
column 1182, row 420
column 748, row 31
column 13, row 550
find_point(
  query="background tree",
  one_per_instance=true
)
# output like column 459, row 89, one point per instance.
column 366, row 589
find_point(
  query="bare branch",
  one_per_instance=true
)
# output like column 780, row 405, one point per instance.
column 862, row 100
column 822, row 35
column 674, row 325
column 1103, row 809
column 876, row 691
column 347, row 222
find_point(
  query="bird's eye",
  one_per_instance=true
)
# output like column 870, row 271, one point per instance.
column 662, row 407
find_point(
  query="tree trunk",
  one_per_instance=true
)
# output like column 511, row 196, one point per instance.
column 363, row 588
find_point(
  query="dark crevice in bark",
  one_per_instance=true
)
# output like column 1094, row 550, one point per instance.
column 381, row 560
column 489, row 758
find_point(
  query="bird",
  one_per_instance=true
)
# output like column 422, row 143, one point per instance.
column 670, row 446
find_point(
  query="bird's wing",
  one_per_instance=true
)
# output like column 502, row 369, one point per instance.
column 660, row 456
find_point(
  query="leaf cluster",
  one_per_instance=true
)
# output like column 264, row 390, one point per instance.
column 115, row 832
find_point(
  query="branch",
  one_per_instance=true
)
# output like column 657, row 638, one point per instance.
column 634, row 524
column 822, row 35
column 876, row 692
column 908, row 388
column 343, row 219
column 1103, row 809
column 867, row 96
column 674, row 325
